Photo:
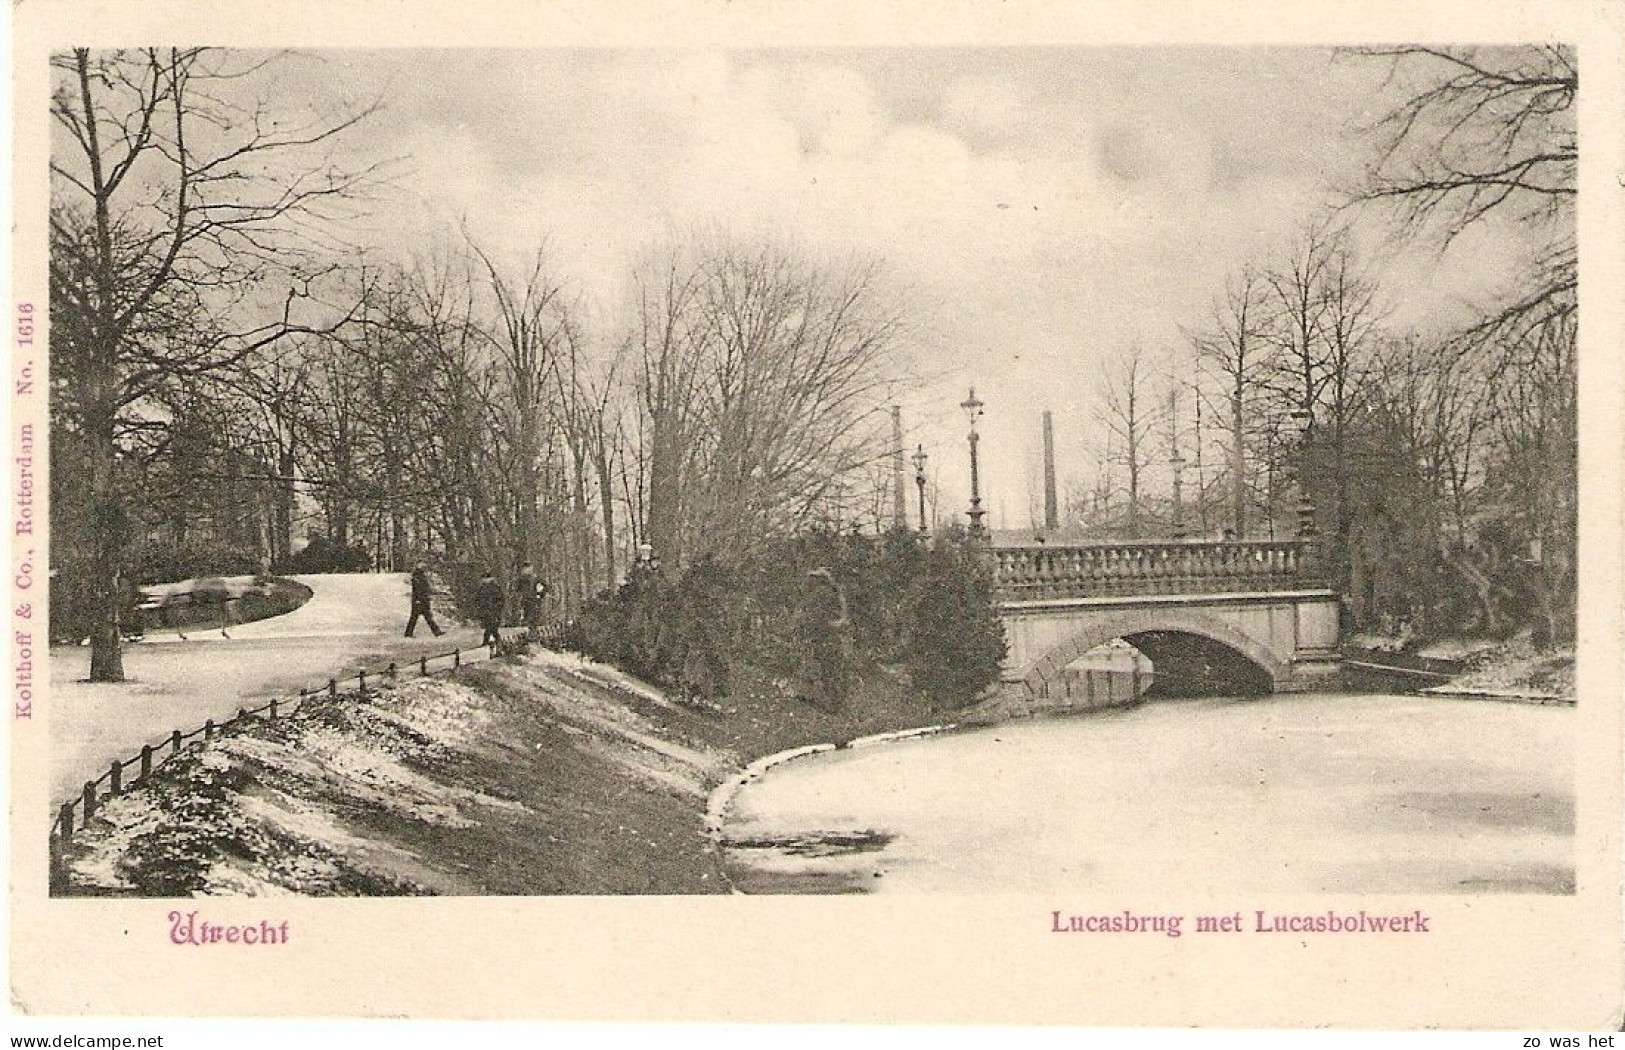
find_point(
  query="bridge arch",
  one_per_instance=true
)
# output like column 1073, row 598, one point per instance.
column 1040, row 672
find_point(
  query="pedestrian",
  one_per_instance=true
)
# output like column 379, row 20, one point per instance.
column 532, row 593
column 420, row 601
column 488, row 600
column 170, row 603
column 213, row 592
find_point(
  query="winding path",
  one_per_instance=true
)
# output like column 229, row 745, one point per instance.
column 351, row 621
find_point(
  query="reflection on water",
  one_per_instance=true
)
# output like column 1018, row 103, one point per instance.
column 1318, row 793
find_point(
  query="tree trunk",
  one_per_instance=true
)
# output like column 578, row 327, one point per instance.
column 282, row 527
column 106, row 655
column 1482, row 586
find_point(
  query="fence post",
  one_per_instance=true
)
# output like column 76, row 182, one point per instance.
column 208, row 730
column 57, row 880
column 115, row 777
column 64, row 820
column 361, row 681
column 273, row 709
column 423, row 665
column 175, row 742
column 332, row 687
column 89, row 798
column 146, row 761
column 456, row 659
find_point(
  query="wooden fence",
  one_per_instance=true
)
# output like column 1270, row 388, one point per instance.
column 78, row 810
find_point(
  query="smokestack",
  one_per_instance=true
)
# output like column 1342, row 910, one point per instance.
column 1052, row 508
column 899, row 507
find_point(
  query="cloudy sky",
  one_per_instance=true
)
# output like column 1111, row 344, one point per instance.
column 1040, row 208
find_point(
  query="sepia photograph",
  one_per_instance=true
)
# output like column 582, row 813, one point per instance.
column 1108, row 476
column 1274, row 461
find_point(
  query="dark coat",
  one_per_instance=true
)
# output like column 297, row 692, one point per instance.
column 531, row 591
column 420, row 589
column 488, row 601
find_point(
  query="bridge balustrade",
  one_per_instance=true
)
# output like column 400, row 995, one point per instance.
column 1041, row 571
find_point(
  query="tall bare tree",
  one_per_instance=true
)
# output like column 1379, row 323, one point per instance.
column 530, row 332
column 763, row 386
column 174, row 197
column 1486, row 137
column 1131, row 411
column 1232, row 348
column 1483, row 132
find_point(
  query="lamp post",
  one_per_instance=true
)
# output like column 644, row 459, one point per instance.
column 973, row 412
column 919, row 482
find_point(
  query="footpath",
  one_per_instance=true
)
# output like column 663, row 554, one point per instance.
column 534, row 774
column 351, row 622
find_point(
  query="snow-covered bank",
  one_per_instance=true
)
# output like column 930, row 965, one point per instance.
column 350, row 622
column 545, row 774
column 1512, row 670
column 1468, row 668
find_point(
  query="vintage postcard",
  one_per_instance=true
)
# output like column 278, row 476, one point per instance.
column 937, row 513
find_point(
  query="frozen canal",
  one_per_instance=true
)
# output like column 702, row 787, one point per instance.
column 1311, row 793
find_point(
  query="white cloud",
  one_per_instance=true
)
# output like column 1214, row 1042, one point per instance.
column 1047, row 207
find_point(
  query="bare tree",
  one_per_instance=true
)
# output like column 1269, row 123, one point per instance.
column 530, row 333
column 334, row 446
column 1232, row 348
column 1296, row 318
column 1481, row 132
column 1131, row 411
column 1534, row 469
column 668, row 348
column 172, row 206
column 763, row 386
column 1350, row 317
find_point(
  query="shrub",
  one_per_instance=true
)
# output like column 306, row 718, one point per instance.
column 955, row 639
column 322, row 555
column 171, row 563
column 811, row 610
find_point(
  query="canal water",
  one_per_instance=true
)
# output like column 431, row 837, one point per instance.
column 1342, row 793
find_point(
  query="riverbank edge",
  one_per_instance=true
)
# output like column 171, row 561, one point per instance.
column 722, row 796
column 1446, row 692
column 996, row 710
column 1503, row 672
column 716, row 809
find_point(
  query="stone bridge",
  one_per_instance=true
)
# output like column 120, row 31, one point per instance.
column 1250, row 616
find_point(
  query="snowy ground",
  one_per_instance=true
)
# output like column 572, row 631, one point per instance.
column 1327, row 793
column 351, row 621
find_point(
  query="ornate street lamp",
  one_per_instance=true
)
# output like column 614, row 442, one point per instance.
column 973, row 412
column 919, row 482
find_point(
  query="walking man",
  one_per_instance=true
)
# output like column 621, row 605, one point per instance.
column 420, row 601
column 169, row 615
column 488, row 600
column 213, row 592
